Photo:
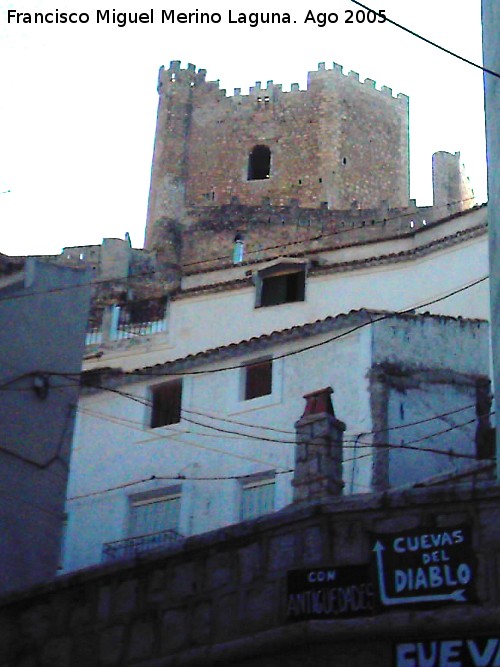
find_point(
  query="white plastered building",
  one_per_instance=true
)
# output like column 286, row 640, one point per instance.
column 192, row 428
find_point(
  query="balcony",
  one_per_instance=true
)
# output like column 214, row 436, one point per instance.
column 129, row 320
column 133, row 546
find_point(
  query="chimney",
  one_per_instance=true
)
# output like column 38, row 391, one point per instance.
column 318, row 454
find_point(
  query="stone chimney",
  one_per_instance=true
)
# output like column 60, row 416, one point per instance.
column 318, row 454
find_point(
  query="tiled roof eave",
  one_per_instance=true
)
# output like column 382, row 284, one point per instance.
column 353, row 319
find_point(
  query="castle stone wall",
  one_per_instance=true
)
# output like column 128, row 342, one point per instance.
column 450, row 183
column 221, row 598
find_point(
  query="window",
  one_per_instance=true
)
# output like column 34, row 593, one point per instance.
column 155, row 513
column 259, row 163
column 283, row 283
column 258, row 379
column 257, row 497
column 166, row 400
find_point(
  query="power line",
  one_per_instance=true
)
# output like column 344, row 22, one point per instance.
column 234, row 421
column 57, row 454
column 428, row 41
column 356, row 441
column 145, row 274
column 288, row 432
column 335, row 232
column 171, row 436
column 180, row 478
column 385, row 316
column 346, row 443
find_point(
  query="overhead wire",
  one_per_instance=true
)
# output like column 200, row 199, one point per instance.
column 21, row 295
column 170, row 436
column 371, row 321
column 145, row 274
column 179, row 477
column 428, row 41
column 347, row 444
column 336, row 232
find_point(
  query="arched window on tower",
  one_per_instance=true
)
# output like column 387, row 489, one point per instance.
column 259, row 163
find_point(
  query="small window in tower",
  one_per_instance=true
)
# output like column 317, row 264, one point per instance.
column 344, row 160
column 259, row 163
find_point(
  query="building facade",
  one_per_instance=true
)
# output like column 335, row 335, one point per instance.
column 43, row 316
column 258, row 289
column 208, row 440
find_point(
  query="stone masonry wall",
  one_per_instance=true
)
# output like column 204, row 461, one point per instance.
column 450, row 183
column 220, row 598
column 270, row 232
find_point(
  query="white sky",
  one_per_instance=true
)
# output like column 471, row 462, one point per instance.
column 78, row 102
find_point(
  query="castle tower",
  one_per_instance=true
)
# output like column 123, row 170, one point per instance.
column 450, row 184
column 341, row 144
column 169, row 169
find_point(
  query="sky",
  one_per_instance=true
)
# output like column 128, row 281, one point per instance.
column 78, row 101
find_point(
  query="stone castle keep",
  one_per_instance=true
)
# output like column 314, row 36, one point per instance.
column 340, row 143
column 282, row 166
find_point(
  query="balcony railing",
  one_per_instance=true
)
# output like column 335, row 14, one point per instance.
column 132, row 546
column 137, row 318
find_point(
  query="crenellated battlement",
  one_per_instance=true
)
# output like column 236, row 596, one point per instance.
column 191, row 77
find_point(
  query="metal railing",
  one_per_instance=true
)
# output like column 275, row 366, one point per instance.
column 132, row 546
column 136, row 318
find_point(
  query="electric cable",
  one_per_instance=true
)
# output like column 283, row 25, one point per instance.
column 170, row 437
column 385, row 316
column 146, row 274
column 322, row 235
column 428, row 41
column 354, row 444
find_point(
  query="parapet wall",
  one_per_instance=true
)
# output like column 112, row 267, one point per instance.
column 222, row 599
column 268, row 232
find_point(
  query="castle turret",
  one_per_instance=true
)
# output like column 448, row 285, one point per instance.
column 451, row 187
column 169, row 169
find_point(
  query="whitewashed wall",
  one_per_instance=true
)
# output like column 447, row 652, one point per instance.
column 113, row 444
column 200, row 322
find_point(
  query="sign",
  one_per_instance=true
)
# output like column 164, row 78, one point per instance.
column 329, row 592
column 433, row 566
column 482, row 652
